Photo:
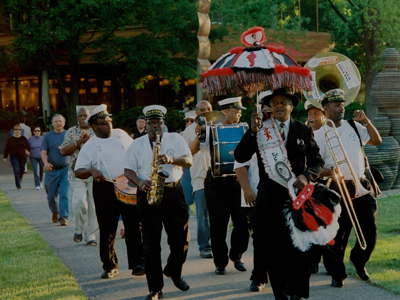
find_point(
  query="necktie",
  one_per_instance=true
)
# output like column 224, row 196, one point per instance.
column 282, row 131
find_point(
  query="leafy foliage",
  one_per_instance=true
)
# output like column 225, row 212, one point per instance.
column 51, row 34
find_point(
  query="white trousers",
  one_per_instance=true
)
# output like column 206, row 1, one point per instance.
column 85, row 220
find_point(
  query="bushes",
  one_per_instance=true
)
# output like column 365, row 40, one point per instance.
column 126, row 119
column 9, row 119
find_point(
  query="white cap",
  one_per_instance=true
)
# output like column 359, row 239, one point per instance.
column 235, row 102
column 99, row 112
column 154, row 112
column 191, row 114
column 308, row 105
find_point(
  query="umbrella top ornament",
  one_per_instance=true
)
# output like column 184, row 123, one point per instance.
column 244, row 70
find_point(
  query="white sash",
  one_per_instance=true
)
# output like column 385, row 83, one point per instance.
column 274, row 156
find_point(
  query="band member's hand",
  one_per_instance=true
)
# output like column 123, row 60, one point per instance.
column 359, row 115
column 83, row 139
column 5, row 160
column 249, row 197
column 256, row 122
column 48, row 167
column 301, row 182
column 164, row 159
column 98, row 175
column 197, row 130
column 145, row 185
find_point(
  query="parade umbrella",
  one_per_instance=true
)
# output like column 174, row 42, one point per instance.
column 244, row 70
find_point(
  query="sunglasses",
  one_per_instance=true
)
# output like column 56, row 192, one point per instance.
column 17, row 129
column 36, row 131
column 189, row 121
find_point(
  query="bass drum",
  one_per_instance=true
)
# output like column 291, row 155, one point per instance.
column 223, row 142
column 125, row 190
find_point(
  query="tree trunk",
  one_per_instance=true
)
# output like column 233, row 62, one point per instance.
column 74, row 93
column 371, row 65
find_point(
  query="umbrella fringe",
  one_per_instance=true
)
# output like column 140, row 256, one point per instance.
column 244, row 83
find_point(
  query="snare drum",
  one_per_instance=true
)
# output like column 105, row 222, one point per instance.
column 223, row 141
column 125, row 190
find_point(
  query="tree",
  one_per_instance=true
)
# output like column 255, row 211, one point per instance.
column 283, row 17
column 361, row 30
column 50, row 34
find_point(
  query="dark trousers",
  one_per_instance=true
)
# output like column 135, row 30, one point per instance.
column 108, row 210
column 18, row 163
column 366, row 208
column 274, row 254
column 173, row 214
column 223, row 202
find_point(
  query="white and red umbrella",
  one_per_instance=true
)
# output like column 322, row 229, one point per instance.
column 244, row 70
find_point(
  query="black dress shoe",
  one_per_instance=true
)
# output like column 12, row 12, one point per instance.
column 239, row 265
column 361, row 272
column 314, row 268
column 295, row 297
column 155, row 295
column 139, row 270
column 178, row 282
column 256, row 286
column 220, row 270
column 337, row 282
column 110, row 273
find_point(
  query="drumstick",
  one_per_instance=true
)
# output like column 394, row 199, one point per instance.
column 122, row 185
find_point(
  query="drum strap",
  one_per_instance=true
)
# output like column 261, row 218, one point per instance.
column 100, row 156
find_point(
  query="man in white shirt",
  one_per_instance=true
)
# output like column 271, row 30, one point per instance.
column 366, row 206
column 198, row 173
column 101, row 158
column 223, row 201
column 170, row 210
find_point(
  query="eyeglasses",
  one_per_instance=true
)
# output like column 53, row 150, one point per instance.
column 159, row 123
column 109, row 120
column 17, row 129
column 36, row 131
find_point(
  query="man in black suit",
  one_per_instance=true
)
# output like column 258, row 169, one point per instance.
column 271, row 237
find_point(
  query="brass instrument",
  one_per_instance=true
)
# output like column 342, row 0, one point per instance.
column 338, row 176
column 207, row 119
column 157, row 177
column 329, row 71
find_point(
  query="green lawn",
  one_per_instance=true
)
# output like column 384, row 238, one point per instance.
column 29, row 268
column 384, row 264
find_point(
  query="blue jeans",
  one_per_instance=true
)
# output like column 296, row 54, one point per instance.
column 203, row 223
column 56, row 183
column 18, row 163
column 37, row 166
column 187, row 186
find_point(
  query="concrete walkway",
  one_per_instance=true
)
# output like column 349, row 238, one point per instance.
column 84, row 261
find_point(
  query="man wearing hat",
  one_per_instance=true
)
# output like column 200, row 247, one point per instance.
column 224, row 202
column 101, row 158
column 286, row 266
column 315, row 115
column 353, row 136
column 171, row 212
column 198, row 173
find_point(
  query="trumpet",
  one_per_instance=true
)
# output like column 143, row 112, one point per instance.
column 338, row 177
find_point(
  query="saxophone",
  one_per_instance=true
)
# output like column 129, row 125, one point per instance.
column 157, row 177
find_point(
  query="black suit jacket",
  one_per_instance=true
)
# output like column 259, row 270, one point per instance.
column 303, row 153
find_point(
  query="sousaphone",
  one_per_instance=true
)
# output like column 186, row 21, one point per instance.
column 330, row 71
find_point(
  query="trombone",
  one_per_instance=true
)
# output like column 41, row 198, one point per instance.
column 338, row 176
